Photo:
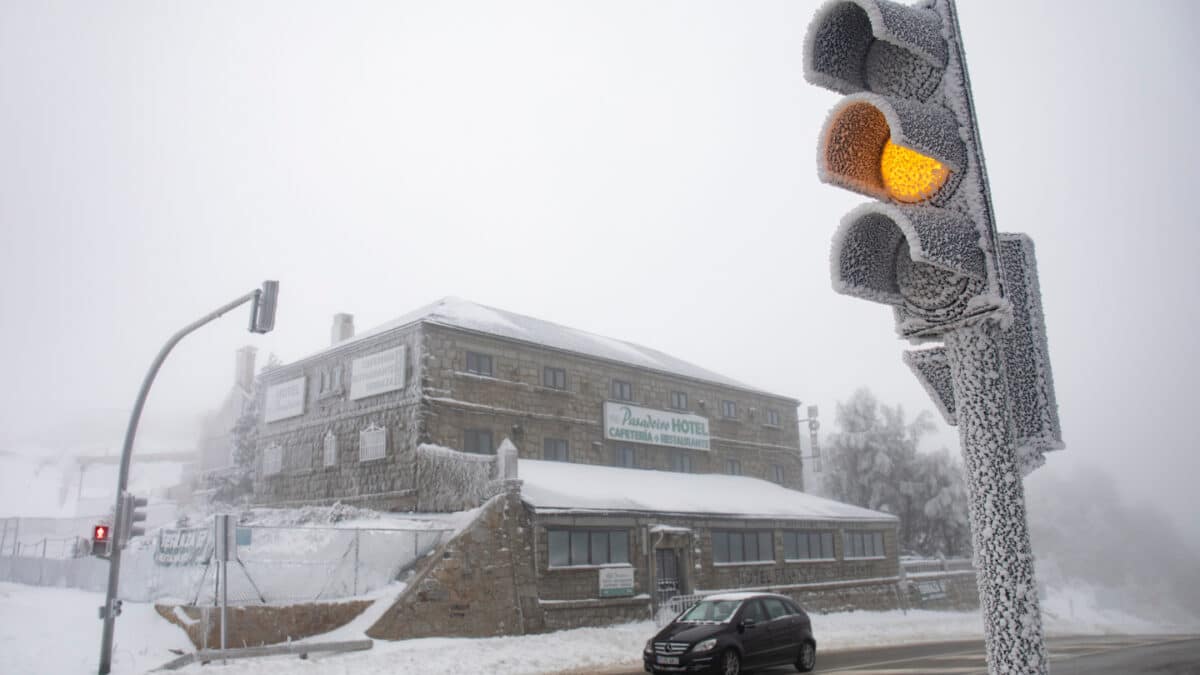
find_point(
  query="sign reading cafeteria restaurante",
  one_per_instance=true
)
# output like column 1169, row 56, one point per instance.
column 624, row 422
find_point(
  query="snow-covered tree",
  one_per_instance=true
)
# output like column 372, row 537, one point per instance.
column 873, row 462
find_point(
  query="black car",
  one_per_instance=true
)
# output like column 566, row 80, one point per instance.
column 732, row 632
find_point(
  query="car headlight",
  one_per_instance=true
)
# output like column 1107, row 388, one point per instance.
column 649, row 647
column 705, row 646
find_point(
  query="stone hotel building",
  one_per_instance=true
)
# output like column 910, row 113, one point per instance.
column 343, row 424
column 612, row 477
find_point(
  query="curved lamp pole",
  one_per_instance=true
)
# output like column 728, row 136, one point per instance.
column 262, row 320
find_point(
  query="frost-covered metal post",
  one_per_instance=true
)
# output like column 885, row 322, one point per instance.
column 262, row 320
column 906, row 135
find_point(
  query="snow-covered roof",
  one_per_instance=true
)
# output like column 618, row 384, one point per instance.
column 568, row 487
column 467, row 315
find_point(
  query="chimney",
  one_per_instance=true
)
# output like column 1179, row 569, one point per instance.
column 243, row 375
column 343, row 328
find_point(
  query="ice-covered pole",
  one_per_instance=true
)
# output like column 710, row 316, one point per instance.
column 262, row 320
column 1012, row 620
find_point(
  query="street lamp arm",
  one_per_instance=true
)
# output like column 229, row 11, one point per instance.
column 114, row 569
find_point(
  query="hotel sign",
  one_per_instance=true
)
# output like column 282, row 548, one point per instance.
column 625, row 422
column 285, row 400
column 377, row 373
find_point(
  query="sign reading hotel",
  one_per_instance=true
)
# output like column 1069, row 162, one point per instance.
column 284, row 400
column 624, row 422
column 377, row 373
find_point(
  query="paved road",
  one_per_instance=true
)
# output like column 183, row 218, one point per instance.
column 1104, row 655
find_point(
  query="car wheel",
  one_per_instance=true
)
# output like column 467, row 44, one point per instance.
column 731, row 663
column 808, row 657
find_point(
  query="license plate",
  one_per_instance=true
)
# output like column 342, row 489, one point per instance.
column 669, row 660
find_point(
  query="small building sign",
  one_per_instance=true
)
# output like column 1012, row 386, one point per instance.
column 188, row 546
column 377, row 373
column 625, row 422
column 284, row 400
column 616, row 582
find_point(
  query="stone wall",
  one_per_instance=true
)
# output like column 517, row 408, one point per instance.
column 253, row 626
column 513, row 403
column 387, row 482
column 481, row 583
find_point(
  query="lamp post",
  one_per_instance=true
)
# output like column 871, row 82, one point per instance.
column 262, row 320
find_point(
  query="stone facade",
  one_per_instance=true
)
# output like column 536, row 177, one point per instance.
column 513, row 402
column 441, row 401
column 825, row 585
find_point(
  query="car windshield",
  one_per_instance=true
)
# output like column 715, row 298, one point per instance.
column 711, row 611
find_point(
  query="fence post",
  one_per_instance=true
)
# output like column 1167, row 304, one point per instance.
column 17, row 538
column 4, row 536
column 356, row 531
column 42, row 564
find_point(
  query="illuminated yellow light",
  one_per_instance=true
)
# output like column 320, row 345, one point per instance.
column 910, row 176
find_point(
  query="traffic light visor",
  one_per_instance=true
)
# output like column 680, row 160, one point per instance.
column 892, row 150
column 877, row 46
column 922, row 258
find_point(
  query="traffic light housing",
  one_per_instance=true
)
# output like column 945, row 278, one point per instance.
column 905, row 135
column 131, row 514
column 262, row 308
column 101, row 540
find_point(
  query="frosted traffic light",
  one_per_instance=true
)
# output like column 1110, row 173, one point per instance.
column 262, row 309
column 131, row 514
column 905, row 136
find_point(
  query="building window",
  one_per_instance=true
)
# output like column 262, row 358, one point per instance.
column 802, row 545
column 624, row 456
column 478, row 441
column 570, row 548
column 272, row 462
column 777, row 473
column 733, row 467
column 772, row 417
column 330, row 448
column 679, row 400
column 742, row 546
column 862, row 545
column 372, row 443
column 555, row 378
column 682, row 462
column 728, row 409
column 480, row 364
column 622, row 391
column 554, row 449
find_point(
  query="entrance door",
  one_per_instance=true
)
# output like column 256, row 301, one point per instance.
column 666, row 571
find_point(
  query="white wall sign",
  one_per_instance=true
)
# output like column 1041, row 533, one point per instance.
column 272, row 460
column 285, row 400
column 616, row 581
column 377, row 373
column 625, row 422
column 372, row 443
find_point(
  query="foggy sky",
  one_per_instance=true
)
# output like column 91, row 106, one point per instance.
column 642, row 170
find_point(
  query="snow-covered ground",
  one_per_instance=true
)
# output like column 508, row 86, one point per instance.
column 54, row 630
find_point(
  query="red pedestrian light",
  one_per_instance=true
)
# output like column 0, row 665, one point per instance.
column 100, row 533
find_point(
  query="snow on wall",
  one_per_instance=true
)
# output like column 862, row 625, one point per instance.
column 449, row 480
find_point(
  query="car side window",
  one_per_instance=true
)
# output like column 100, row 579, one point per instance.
column 754, row 611
column 775, row 608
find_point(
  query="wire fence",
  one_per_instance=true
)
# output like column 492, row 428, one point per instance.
column 273, row 564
